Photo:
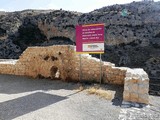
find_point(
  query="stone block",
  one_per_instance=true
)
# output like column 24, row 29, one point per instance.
column 145, row 76
column 133, row 97
column 126, row 96
column 127, row 79
column 143, row 98
column 126, row 88
column 134, row 81
column 129, row 74
column 143, row 88
column 136, row 76
column 144, row 82
column 134, row 87
column 122, row 73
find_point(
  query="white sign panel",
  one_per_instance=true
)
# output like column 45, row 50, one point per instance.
column 93, row 47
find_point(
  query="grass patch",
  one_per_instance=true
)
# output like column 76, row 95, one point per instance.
column 107, row 94
column 97, row 90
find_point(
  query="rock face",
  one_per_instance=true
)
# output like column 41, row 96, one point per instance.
column 132, row 32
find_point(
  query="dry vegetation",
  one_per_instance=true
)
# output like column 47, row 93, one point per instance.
column 107, row 94
column 99, row 91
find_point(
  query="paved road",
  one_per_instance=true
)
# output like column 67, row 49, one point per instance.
column 23, row 98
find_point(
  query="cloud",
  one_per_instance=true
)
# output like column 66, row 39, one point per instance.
column 84, row 5
column 2, row 9
column 52, row 6
column 49, row 5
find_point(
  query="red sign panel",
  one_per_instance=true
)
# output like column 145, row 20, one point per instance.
column 90, row 38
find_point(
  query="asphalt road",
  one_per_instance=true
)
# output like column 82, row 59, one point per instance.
column 23, row 98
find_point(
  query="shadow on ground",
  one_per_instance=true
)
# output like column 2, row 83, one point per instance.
column 23, row 105
column 10, row 84
column 118, row 98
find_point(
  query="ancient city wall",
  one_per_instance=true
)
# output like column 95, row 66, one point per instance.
column 62, row 62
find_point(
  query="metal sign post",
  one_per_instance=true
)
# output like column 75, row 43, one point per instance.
column 80, row 67
column 100, row 68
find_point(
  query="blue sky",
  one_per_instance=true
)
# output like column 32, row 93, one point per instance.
column 73, row 5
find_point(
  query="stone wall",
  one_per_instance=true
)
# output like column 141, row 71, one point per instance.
column 62, row 62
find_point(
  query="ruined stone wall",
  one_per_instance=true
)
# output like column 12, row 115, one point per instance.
column 39, row 61
column 62, row 62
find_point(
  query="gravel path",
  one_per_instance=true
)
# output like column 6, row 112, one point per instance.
column 23, row 98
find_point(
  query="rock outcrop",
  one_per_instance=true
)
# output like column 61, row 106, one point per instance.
column 132, row 32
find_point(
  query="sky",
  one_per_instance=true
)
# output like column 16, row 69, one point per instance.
column 71, row 5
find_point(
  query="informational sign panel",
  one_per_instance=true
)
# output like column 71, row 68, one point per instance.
column 90, row 38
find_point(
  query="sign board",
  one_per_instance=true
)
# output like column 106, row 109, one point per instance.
column 90, row 38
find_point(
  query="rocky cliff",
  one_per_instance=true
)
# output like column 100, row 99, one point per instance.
column 132, row 32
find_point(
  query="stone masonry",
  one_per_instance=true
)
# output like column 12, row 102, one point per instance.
column 136, row 86
column 61, row 62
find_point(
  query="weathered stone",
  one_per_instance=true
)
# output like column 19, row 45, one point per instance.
column 137, row 85
column 134, row 81
column 143, row 98
column 134, row 87
column 134, row 97
column 143, row 90
column 126, row 96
